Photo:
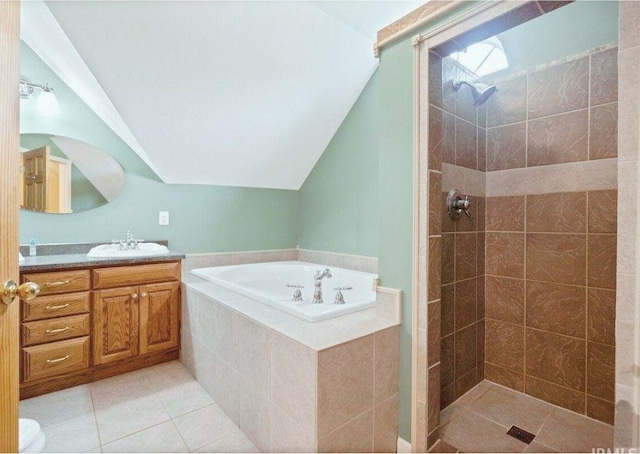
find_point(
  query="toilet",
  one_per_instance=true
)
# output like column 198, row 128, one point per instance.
column 30, row 435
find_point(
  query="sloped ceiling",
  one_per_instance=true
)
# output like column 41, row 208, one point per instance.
column 236, row 93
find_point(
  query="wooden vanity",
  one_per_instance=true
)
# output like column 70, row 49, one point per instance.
column 97, row 321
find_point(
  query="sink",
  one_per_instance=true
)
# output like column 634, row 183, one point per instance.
column 111, row 251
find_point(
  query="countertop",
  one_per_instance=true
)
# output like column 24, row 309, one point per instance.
column 66, row 261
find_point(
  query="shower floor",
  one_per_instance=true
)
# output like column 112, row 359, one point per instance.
column 479, row 421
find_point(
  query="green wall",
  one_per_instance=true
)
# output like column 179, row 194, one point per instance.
column 202, row 218
column 339, row 199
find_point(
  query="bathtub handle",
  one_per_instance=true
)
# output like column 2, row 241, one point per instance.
column 297, row 295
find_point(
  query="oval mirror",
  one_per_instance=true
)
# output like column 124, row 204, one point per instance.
column 64, row 175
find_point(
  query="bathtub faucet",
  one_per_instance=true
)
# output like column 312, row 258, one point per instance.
column 317, row 293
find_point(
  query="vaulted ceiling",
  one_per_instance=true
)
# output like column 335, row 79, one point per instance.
column 239, row 93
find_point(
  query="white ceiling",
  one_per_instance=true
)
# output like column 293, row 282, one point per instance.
column 238, row 93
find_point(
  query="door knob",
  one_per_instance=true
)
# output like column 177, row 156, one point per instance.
column 26, row 291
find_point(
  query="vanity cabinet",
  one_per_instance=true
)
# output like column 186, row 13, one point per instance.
column 92, row 323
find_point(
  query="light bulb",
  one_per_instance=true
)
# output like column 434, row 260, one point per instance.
column 47, row 104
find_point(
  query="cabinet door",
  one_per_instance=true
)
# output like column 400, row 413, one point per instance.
column 159, row 316
column 115, row 324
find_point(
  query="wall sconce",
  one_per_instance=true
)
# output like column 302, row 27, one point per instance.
column 46, row 103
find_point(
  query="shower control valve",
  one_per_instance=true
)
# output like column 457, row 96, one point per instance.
column 457, row 204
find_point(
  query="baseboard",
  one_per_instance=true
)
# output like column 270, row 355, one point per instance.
column 403, row 445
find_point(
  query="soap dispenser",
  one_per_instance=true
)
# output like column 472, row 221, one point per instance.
column 32, row 247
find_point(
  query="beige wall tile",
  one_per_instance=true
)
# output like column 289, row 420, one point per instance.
column 354, row 436
column 586, row 176
column 254, row 416
column 350, row 366
column 287, row 435
column 435, row 203
column 627, row 218
column 628, row 110
column 629, row 24
column 385, row 425
column 293, row 380
column 434, row 335
column 254, row 354
column 386, row 363
column 435, row 267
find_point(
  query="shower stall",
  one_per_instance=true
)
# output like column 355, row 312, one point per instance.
column 519, row 181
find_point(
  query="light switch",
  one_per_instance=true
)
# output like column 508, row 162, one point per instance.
column 163, row 218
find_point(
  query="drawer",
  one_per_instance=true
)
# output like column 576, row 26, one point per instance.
column 54, row 330
column 135, row 275
column 60, row 357
column 60, row 281
column 55, row 306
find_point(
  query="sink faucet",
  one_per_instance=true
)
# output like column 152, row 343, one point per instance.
column 130, row 244
column 317, row 293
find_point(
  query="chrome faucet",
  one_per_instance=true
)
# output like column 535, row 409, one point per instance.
column 317, row 292
column 130, row 244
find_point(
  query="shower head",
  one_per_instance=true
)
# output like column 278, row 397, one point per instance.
column 481, row 92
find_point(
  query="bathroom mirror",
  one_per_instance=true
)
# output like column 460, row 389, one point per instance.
column 64, row 175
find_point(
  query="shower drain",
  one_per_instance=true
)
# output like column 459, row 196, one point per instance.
column 521, row 434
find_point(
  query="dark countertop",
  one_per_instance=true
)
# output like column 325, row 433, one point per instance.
column 66, row 261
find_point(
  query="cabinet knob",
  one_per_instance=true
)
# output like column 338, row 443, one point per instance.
column 144, row 294
column 134, row 296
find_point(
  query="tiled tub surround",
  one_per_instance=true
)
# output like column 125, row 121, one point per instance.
column 293, row 386
column 349, row 261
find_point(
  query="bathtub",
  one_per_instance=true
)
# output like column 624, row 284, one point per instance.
column 267, row 283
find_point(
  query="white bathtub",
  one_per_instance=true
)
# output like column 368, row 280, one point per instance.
column 267, row 283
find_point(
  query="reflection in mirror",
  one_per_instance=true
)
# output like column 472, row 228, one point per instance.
column 64, row 175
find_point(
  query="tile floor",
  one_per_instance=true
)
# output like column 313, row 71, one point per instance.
column 157, row 409
column 479, row 420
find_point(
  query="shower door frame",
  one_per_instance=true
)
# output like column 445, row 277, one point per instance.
column 423, row 416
